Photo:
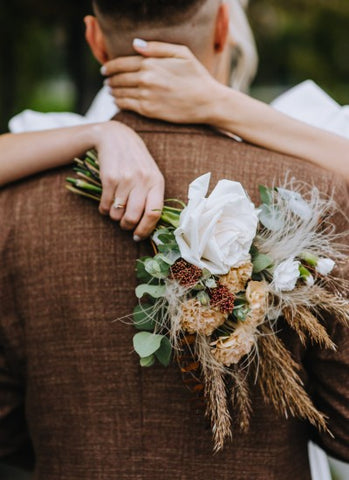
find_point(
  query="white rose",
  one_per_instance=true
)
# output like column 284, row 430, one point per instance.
column 324, row 266
column 216, row 232
column 286, row 275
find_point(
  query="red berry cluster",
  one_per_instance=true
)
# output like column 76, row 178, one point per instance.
column 221, row 298
column 185, row 273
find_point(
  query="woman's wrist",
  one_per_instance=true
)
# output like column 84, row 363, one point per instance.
column 222, row 111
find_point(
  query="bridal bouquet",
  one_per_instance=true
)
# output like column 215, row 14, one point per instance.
column 223, row 277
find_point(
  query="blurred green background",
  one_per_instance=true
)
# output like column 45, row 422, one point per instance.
column 45, row 64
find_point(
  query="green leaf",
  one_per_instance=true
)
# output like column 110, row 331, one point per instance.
column 261, row 262
column 155, row 291
column 241, row 312
column 167, row 238
column 266, row 194
column 165, row 352
column 304, row 272
column 141, row 272
column 142, row 317
column 170, row 217
column 146, row 343
column 147, row 361
column 153, row 267
column 270, row 217
column 310, row 258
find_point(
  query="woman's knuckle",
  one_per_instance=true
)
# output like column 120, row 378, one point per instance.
column 126, row 178
column 153, row 215
column 130, row 219
column 148, row 108
column 145, row 78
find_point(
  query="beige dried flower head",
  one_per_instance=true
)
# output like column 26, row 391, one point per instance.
column 235, row 280
column 197, row 318
column 230, row 350
column 256, row 295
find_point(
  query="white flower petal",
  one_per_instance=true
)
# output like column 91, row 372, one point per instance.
column 217, row 232
column 325, row 266
column 286, row 275
column 199, row 187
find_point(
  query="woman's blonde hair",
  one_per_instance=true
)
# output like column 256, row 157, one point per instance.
column 245, row 57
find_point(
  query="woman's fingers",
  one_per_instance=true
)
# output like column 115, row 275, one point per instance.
column 124, row 80
column 132, row 183
column 122, row 64
column 134, row 209
column 128, row 104
column 152, row 212
column 126, row 93
column 107, row 198
column 160, row 49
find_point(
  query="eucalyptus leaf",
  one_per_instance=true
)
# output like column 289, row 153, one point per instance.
column 241, row 312
column 261, row 262
column 211, row 283
column 171, row 253
column 206, row 274
column 270, row 217
column 147, row 361
column 156, row 267
column 169, row 256
column 165, row 352
column 265, row 194
column 203, row 298
column 167, row 237
column 141, row 272
column 146, row 343
column 142, row 317
column 163, row 263
column 172, row 218
column 155, row 291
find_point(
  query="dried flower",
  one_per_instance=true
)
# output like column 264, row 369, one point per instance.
column 185, row 273
column 196, row 318
column 256, row 295
column 230, row 350
column 235, row 280
column 222, row 299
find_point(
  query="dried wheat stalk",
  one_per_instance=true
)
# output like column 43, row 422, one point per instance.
column 240, row 399
column 280, row 383
column 307, row 327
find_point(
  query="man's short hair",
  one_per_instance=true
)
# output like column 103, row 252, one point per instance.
column 149, row 11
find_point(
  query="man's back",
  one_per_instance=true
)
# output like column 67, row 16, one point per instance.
column 67, row 291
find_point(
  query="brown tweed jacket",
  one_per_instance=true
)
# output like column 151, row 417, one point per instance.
column 70, row 383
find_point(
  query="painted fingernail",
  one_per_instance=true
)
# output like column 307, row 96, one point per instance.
column 139, row 43
column 106, row 82
column 103, row 70
column 136, row 238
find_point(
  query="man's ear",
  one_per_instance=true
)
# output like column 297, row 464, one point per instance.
column 95, row 38
column 222, row 28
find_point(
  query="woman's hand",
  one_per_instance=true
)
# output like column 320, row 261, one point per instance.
column 166, row 81
column 133, row 186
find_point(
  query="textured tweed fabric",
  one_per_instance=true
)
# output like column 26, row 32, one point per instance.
column 70, row 384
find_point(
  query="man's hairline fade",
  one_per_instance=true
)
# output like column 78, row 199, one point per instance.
column 143, row 16
column 196, row 32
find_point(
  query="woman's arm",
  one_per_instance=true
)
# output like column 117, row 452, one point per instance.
column 129, row 174
column 260, row 124
column 166, row 81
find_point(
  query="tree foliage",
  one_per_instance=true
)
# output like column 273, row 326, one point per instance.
column 42, row 41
